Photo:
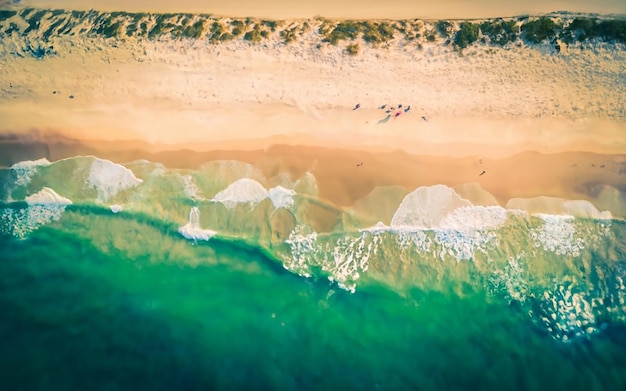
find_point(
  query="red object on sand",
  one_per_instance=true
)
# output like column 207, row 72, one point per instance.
column 398, row 113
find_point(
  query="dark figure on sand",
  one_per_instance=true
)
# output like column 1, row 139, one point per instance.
column 407, row 108
column 359, row 164
column 357, row 106
column 382, row 121
column 482, row 173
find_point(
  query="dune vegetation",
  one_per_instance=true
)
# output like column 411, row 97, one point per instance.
column 43, row 25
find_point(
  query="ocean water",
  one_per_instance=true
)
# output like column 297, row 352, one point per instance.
column 137, row 276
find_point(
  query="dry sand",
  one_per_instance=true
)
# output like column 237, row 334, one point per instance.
column 491, row 102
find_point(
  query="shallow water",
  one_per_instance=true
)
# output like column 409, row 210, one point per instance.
column 96, row 299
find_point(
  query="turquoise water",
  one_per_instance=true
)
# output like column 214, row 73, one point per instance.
column 92, row 299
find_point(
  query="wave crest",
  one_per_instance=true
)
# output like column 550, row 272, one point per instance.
column 427, row 206
column 192, row 229
column 47, row 196
column 109, row 178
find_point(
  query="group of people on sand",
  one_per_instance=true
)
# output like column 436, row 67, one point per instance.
column 396, row 110
column 390, row 110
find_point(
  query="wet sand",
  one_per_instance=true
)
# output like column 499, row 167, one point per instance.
column 343, row 180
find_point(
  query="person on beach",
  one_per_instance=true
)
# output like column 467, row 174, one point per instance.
column 384, row 120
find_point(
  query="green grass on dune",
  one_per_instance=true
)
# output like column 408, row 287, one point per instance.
column 585, row 29
column 467, row 35
column 539, row 30
column 153, row 26
column 6, row 14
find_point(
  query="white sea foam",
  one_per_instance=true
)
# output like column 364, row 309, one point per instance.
column 474, row 217
column 407, row 238
column 31, row 163
column 441, row 207
column 427, row 206
column 282, row 197
column 19, row 223
column 44, row 207
column 567, row 314
column 116, row 208
column 461, row 234
column 469, row 229
column 558, row 234
column 303, row 251
column 25, row 170
column 511, row 281
column 463, row 245
column 242, row 191
column 343, row 259
column 109, row 178
column 47, row 196
column 414, row 241
column 460, row 229
column 350, row 258
column 192, row 229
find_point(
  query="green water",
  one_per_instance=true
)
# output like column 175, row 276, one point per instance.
column 294, row 293
column 93, row 301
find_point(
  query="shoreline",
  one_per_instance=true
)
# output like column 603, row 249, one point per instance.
column 597, row 178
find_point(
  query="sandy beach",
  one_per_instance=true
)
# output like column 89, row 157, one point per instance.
column 539, row 123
